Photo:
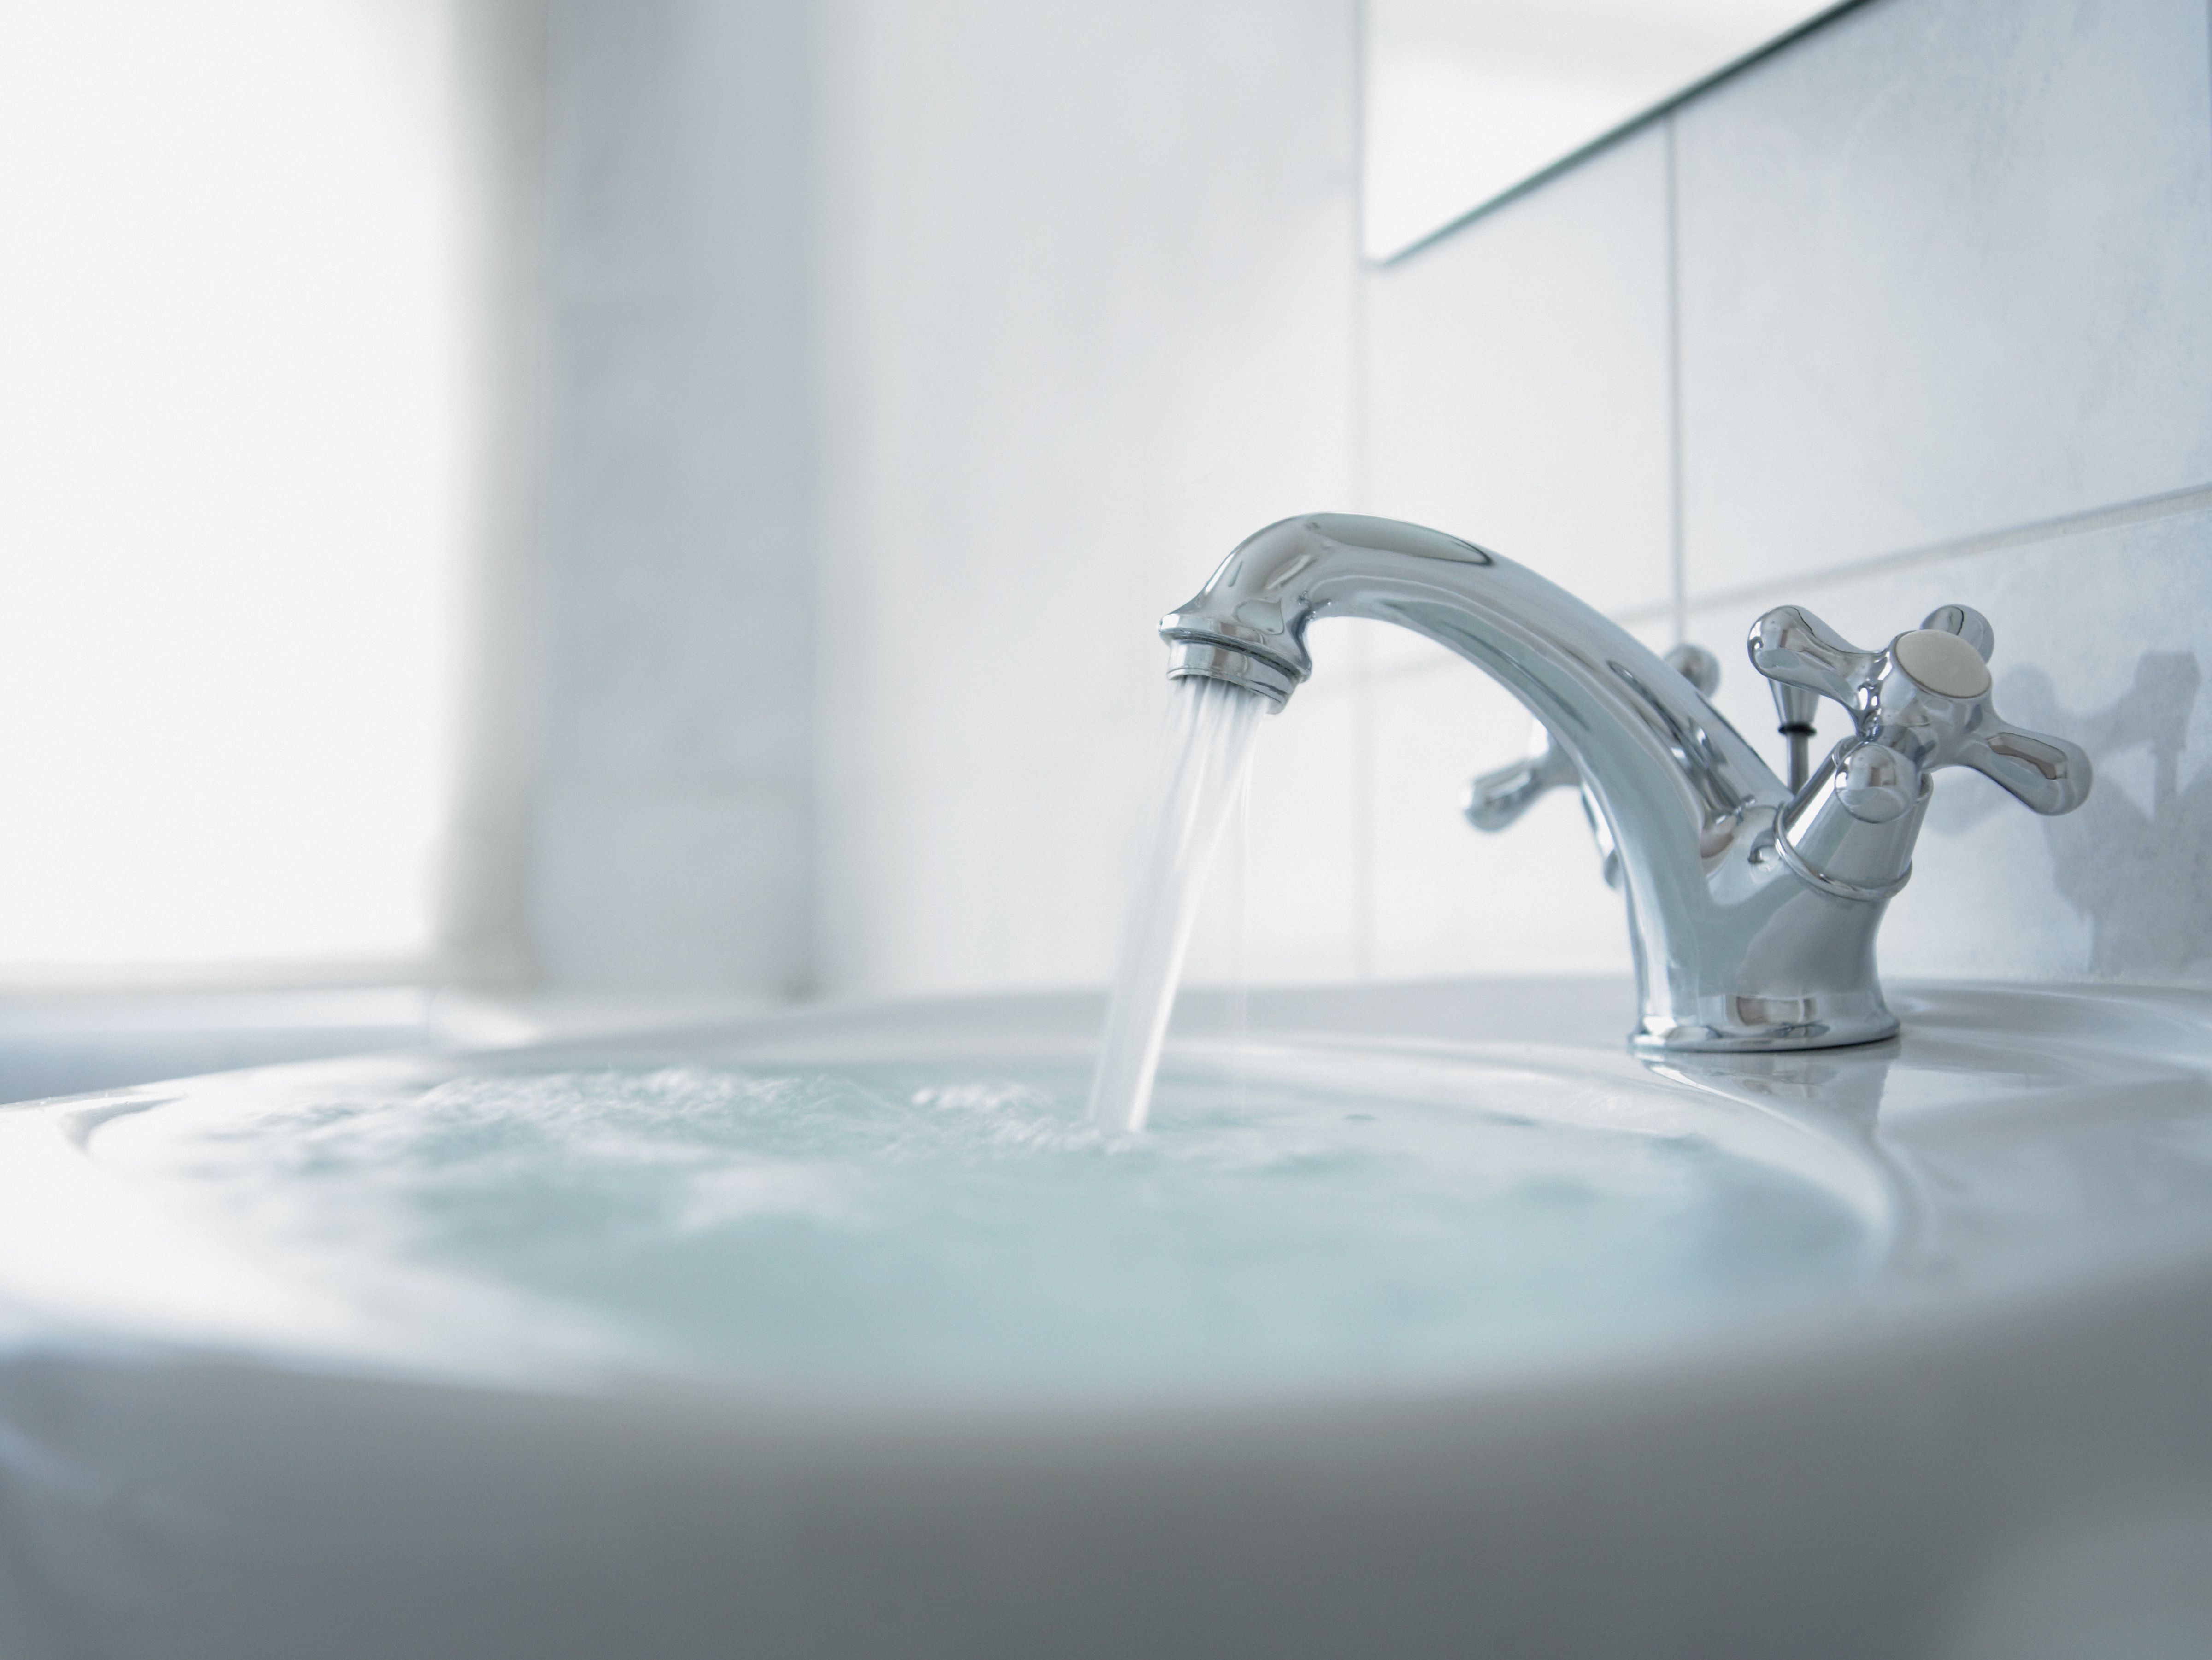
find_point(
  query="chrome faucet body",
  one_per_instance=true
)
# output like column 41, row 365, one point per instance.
column 1753, row 912
column 1496, row 799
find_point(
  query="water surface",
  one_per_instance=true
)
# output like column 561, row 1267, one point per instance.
column 967, row 1227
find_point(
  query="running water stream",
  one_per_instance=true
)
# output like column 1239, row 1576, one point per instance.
column 1210, row 729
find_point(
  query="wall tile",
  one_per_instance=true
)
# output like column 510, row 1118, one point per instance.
column 2103, row 638
column 674, row 890
column 675, row 602
column 1450, row 900
column 1088, row 320
column 1518, row 384
column 997, row 869
column 1943, row 270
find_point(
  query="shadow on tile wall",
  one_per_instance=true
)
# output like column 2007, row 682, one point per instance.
column 2143, row 879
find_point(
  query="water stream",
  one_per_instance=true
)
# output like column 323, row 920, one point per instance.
column 1210, row 729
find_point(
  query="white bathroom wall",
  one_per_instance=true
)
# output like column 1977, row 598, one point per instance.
column 907, row 360
column 1087, row 284
column 1945, row 271
column 670, row 825
column 1939, row 313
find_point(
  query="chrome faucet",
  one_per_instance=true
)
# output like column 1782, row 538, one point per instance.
column 1496, row 799
column 1752, row 909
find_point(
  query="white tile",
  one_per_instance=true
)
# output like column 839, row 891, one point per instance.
column 1944, row 268
column 673, row 604
column 991, row 867
column 2102, row 638
column 1087, row 314
column 1000, row 875
column 659, row 891
column 1452, row 900
column 1518, row 382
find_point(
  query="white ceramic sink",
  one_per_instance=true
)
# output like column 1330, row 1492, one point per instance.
column 1426, row 1320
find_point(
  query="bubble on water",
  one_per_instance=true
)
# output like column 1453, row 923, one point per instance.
column 905, row 1225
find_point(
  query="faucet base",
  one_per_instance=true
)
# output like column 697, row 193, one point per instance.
column 1736, row 1026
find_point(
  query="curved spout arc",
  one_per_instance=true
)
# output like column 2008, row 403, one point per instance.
column 1664, row 767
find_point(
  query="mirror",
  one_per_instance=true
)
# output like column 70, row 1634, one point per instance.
column 1466, row 100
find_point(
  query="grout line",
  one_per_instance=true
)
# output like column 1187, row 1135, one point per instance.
column 2144, row 510
column 1677, row 575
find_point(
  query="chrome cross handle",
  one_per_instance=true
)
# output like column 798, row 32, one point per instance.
column 1921, row 703
column 1496, row 799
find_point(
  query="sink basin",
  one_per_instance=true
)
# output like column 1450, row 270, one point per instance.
column 1425, row 1320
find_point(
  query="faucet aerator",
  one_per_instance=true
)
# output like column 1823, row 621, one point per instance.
column 1207, row 659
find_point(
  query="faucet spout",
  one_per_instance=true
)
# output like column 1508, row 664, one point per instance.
column 1739, row 943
